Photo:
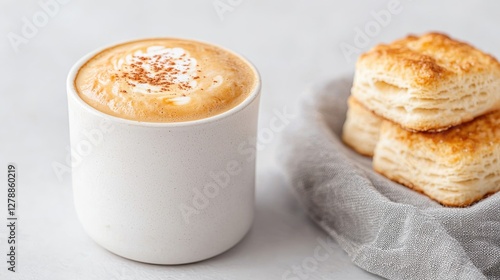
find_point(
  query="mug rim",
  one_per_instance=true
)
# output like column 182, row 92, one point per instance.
column 73, row 93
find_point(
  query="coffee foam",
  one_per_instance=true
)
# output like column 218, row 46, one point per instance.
column 165, row 80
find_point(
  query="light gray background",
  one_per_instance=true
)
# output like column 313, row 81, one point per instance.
column 293, row 43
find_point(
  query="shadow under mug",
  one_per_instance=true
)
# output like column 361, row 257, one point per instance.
column 163, row 193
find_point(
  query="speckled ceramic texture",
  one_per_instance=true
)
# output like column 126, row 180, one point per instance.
column 163, row 193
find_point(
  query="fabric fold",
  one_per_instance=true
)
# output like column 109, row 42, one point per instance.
column 385, row 228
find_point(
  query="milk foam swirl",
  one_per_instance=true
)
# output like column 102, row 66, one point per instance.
column 164, row 80
column 159, row 68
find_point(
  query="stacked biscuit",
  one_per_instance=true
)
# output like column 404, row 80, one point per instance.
column 428, row 110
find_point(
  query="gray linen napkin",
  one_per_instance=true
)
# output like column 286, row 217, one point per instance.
column 384, row 227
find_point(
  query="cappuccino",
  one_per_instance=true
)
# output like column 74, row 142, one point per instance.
column 165, row 80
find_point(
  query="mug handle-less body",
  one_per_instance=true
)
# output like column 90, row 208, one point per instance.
column 164, row 193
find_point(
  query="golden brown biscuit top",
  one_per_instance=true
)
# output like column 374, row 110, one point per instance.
column 469, row 139
column 423, row 61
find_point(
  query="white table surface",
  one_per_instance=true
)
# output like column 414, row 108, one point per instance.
column 293, row 43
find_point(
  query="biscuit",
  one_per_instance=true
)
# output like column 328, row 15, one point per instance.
column 361, row 128
column 456, row 167
column 427, row 83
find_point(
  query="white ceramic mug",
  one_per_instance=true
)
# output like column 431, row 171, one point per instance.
column 163, row 193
